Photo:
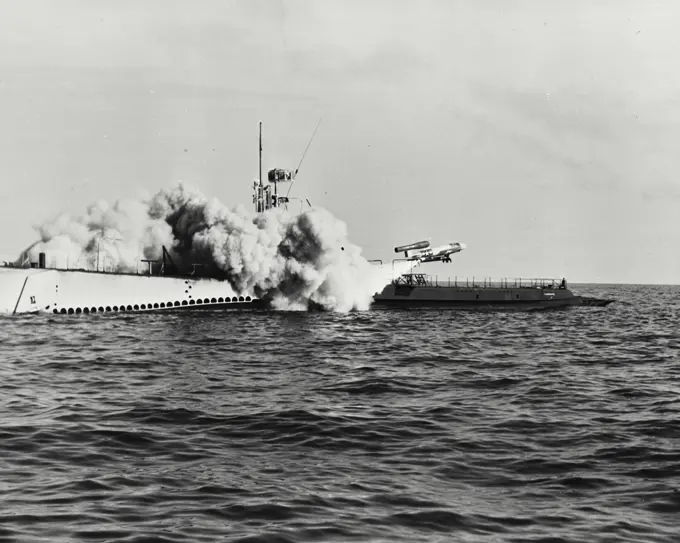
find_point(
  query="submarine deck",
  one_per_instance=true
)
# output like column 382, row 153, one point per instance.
column 419, row 290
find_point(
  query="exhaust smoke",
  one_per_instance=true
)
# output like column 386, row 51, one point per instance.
column 292, row 260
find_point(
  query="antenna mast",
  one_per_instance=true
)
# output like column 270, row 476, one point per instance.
column 259, row 203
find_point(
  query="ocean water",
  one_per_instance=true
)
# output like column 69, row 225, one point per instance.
column 387, row 425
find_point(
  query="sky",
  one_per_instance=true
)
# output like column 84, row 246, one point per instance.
column 540, row 133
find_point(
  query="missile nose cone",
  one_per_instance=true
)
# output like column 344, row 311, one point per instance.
column 463, row 245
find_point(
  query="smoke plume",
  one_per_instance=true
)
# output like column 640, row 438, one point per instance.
column 292, row 260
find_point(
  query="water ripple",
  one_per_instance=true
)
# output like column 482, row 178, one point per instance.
column 380, row 426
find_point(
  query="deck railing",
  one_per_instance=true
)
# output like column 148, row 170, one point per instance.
column 103, row 264
column 88, row 263
column 484, row 282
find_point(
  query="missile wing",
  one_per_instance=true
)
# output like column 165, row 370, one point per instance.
column 412, row 247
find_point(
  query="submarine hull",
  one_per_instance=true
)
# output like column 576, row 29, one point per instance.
column 67, row 292
column 396, row 295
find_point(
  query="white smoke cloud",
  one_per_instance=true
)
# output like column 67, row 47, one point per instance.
column 293, row 260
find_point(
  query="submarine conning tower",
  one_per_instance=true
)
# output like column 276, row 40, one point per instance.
column 266, row 192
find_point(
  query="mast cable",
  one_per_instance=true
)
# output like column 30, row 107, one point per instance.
column 303, row 157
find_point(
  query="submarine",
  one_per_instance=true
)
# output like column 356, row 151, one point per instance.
column 30, row 285
column 421, row 290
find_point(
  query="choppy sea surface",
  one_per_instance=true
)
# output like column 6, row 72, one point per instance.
column 386, row 425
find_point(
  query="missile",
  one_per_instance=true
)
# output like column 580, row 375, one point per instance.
column 441, row 253
column 411, row 247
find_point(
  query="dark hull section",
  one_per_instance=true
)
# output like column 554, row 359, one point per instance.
column 454, row 304
column 404, row 296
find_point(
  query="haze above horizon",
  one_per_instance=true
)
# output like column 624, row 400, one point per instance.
column 541, row 134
